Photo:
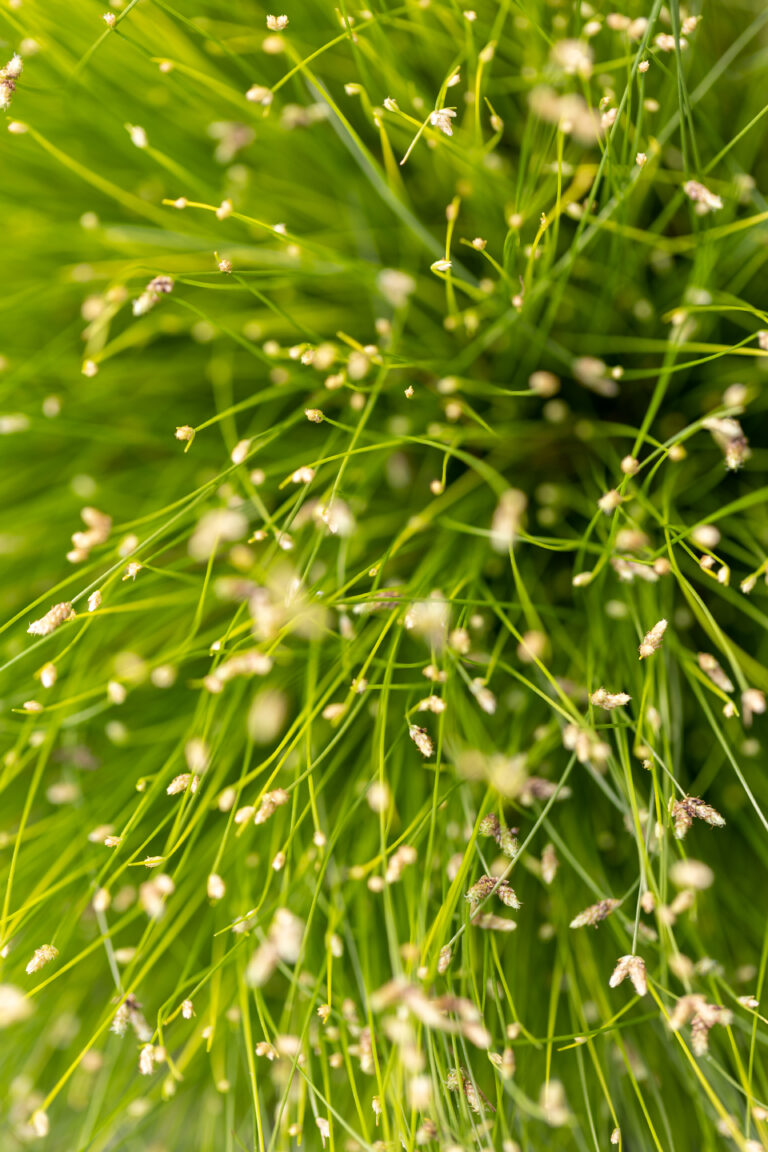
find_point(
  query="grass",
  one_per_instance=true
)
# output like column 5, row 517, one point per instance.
column 480, row 335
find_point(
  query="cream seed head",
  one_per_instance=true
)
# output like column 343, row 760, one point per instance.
column 604, row 699
column 544, row 384
column 703, row 200
column 634, row 968
column 694, row 874
column 186, row 781
column 421, row 739
column 14, row 1005
column 609, row 501
column 652, row 640
column 592, row 915
column 39, row 1123
column 53, row 619
column 258, row 94
column 41, row 956
column 441, row 118
column 216, row 888
column 684, row 812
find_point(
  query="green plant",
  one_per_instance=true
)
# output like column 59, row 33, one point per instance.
column 382, row 410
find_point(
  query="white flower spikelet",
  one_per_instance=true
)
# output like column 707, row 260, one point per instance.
column 652, row 640
column 634, row 968
column 14, row 1005
column 57, row 616
column 421, row 739
column 441, row 118
column 604, row 699
column 42, row 956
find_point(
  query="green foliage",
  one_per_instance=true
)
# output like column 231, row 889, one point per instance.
column 353, row 616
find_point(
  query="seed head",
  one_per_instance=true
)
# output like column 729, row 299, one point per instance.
column 14, row 1005
column 595, row 913
column 216, row 887
column 507, row 895
column 258, row 94
column 652, row 639
column 694, row 874
column 753, row 703
column 703, row 1017
column 708, row 664
column 480, row 889
column 604, row 699
column 183, row 782
column 507, row 518
column 41, row 957
column 441, row 118
column 421, row 739
column 704, row 200
column 57, row 615
column 549, row 864
column 609, row 502
column 729, row 437
column 634, row 968
column 689, row 808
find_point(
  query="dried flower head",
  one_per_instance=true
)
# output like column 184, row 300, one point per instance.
column 42, row 956
column 689, row 808
column 592, row 915
column 549, row 863
column 703, row 1017
column 652, row 640
column 730, row 439
column 441, row 118
column 14, row 1005
column 634, row 968
column 157, row 287
column 507, row 518
column 57, row 615
column 701, row 196
column 8, row 77
column 421, row 739
column 753, row 703
column 604, row 699
column 693, row 874
column 709, row 664
column 609, row 501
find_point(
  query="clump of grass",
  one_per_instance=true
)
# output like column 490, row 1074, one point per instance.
column 384, row 543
